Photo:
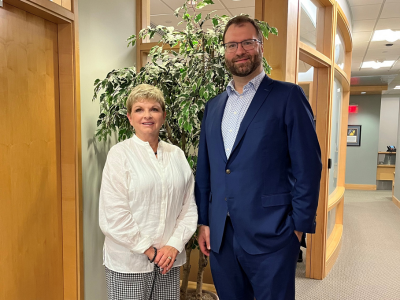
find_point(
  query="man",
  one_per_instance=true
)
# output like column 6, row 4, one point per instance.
column 258, row 174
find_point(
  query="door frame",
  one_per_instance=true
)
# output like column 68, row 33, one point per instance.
column 69, row 134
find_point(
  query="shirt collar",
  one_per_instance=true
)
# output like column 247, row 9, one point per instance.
column 143, row 143
column 254, row 83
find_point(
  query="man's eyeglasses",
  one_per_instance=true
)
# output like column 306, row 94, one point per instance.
column 246, row 45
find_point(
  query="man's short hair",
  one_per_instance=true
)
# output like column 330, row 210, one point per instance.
column 239, row 20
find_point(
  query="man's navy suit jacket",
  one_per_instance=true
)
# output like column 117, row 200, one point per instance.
column 270, row 183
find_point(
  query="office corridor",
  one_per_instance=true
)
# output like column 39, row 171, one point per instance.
column 368, row 266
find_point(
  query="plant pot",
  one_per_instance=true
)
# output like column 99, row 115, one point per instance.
column 207, row 295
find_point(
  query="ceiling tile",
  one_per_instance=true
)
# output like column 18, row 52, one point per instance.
column 365, row 12
column 391, row 10
column 373, row 56
column 174, row 4
column 237, row 4
column 159, row 8
column 362, row 37
column 389, row 23
column 247, row 10
column 166, row 20
column 363, row 25
column 364, row 2
column 219, row 12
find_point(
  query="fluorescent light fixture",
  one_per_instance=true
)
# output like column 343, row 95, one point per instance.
column 311, row 10
column 386, row 35
column 363, row 93
column 397, row 87
column 377, row 64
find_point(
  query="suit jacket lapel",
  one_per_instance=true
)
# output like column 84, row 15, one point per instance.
column 259, row 98
column 219, row 110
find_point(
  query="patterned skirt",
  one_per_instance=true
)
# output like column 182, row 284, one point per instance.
column 143, row 286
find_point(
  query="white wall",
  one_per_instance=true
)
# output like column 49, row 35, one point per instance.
column 104, row 27
column 344, row 5
column 388, row 122
column 361, row 162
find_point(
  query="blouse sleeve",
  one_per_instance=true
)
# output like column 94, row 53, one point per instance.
column 186, row 223
column 115, row 217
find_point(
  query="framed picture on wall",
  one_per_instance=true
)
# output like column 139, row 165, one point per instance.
column 353, row 135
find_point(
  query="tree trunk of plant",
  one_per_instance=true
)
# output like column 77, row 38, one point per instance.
column 203, row 262
column 186, row 269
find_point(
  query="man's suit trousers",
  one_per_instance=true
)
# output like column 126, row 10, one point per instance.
column 238, row 275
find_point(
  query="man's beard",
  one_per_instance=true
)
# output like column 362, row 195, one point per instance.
column 244, row 69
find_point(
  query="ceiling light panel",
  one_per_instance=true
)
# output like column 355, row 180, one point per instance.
column 386, row 35
column 377, row 64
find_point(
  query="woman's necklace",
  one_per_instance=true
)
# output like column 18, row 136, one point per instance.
column 155, row 153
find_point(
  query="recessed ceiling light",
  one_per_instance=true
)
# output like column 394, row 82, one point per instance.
column 363, row 92
column 377, row 64
column 397, row 87
column 389, row 45
column 386, row 35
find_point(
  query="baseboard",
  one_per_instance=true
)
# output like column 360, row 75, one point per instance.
column 365, row 187
column 396, row 201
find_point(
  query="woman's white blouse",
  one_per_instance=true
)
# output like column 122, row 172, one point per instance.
column 145, row 201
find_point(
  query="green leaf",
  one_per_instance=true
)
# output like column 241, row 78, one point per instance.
column 208, row 2
column 198, row 18
column 215, row 21
column 200, row 5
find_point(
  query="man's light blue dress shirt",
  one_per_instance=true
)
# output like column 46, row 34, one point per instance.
column 236, row 108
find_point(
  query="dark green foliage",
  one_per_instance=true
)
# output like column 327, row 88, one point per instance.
column 188, row 77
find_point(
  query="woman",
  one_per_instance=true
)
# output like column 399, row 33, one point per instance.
column 147, row 207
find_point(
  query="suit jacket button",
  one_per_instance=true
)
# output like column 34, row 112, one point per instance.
column 228, row 171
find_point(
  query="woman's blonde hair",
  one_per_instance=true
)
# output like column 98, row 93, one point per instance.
column 145, row 92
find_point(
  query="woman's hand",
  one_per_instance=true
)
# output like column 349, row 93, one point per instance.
column 165, row 258
column 150, row 253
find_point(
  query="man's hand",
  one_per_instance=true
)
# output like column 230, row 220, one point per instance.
column 299, row 235
column 204, row 239
column 165, row 258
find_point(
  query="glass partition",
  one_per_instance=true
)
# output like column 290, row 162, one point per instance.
column 308, row 23
column 306, row 81
column 339, row 49
column 162, row 12
column 335, row 135
column 331, row 222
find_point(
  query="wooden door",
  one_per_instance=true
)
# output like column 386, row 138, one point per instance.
column 31, row 241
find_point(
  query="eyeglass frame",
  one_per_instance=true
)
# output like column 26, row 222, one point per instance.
column 237, row 45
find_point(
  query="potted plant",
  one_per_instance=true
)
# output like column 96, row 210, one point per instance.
column 188, row 76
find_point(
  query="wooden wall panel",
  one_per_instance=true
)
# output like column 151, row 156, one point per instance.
column 66, row 4
column 68, row 159
column 281, row 51
column 31, row 245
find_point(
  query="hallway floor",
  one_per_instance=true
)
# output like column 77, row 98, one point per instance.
column 368, row 266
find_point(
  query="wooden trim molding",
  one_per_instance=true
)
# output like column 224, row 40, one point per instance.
column 312, row 56
column 341, row 75
column 336, row 197
column 396, row 201
column 334, row 244
column 364, row 187
column 45, row 9
column 369, row 89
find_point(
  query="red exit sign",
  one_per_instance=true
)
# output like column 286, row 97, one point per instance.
column 353, row 109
